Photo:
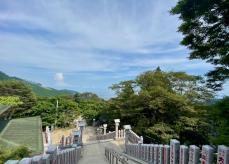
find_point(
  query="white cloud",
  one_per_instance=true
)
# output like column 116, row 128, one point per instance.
column 68, row 36
column 59, row 77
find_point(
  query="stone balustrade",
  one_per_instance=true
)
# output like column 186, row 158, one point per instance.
column 133, row 137
column 177, row 154
column 114, row 157
column 53, row 155
column 110, row 135
column 66, row 142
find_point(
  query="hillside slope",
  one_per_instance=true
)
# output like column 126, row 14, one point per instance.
column 37, row 88
column 22, row 131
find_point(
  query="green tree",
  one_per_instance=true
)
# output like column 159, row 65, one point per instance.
column 161, row 133
column 46, row 109
column 10, row 100
column 159, row 100
column 21, row 90
column 205, row 26
column 86, row 96
column 92, row 109
column 218, row 115
column 16, row 153
column 194, row 88
column 63, row 116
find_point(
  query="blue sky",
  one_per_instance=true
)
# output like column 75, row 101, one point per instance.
column 88, row 45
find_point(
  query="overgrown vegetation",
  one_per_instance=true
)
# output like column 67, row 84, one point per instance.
column 10, row 100
column 16, row 153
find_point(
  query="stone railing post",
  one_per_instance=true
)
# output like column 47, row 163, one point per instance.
column 52, row 151
column 141, row 140
column 81, row 125
column 48, row 133
column 174, row 151
column 117, row 121
column 223, row 155
column 104, row 129
column 206, row 154
column 93, row 124
column 127, row 128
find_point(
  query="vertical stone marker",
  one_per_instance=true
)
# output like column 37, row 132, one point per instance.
column 117, row 121
column 174, row 151
column 194, row 154
column 82, row 125
column 49, row 141
column 160, row 154
column 104, row 129
column 155, row 153
column 206, row 154
column 183, row 154
column 127, row 129
column 151, row 153
column 223, row 155
column 166, row 154
column 148, row 151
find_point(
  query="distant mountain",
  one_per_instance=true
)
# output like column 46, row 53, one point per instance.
column 37, row 88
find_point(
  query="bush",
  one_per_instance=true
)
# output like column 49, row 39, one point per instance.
column 16, row 153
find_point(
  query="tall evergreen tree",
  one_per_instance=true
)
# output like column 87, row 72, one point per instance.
column 205, row 25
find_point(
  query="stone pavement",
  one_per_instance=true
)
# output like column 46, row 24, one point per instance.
column 94, row 151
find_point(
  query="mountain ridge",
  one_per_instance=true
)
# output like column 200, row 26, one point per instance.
column 37, row 88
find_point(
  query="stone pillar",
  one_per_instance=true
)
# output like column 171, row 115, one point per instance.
column 194, row 154
column 81, row 125
column 155, row 153
column 93, row 124
column 223, row 155
column 127, row 128
column 141, row 140
column 206, row 154
column 117, row 121
column 166, row 154
column 48, row 136
column 52, row 151
column 160, row 154
column 104, row 129
column 183, row 154
column 174, row 151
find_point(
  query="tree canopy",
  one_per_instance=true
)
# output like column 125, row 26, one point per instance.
column 21, row 90
column 62, row 116
column 10, row 100
column 164, row 105
column 205, row 26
